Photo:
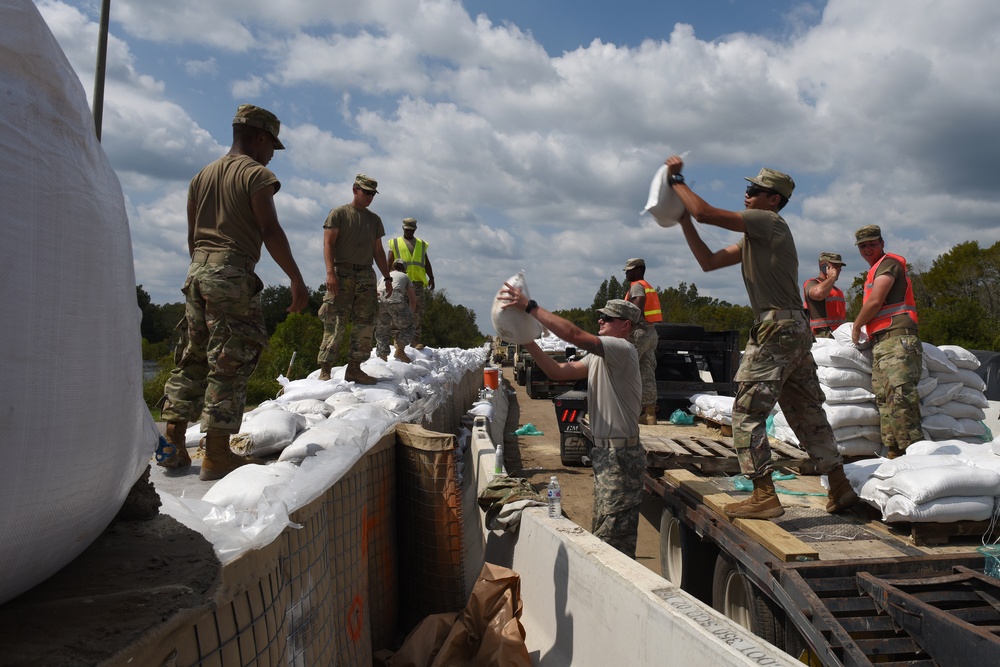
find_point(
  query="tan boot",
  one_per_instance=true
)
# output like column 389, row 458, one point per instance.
column 893, row 452
column 176, row 436
column 219, row 460
column 841, row 496
column 648, row 415
column 418, row 346
column 324, row 370
column 355, row 374
column 401, row 353
column 384, row 356
column 763, row 504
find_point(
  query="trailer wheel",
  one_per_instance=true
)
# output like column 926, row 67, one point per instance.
column 736, row 597
column 685, row 560
column 529, row 386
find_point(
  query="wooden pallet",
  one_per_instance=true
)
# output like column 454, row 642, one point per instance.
column 725, row 429
column 711, row 455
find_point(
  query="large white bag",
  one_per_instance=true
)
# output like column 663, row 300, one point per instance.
column 663, row 203
column 513, row 324
column 75, row 433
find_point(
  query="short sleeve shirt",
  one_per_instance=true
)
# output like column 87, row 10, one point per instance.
column 897, row 293
column 357, row 231
column 770, row 262
column 614, row 389
column 400, row 284
column 224, row 217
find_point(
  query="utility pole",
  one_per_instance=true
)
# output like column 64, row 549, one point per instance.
column 102, row 60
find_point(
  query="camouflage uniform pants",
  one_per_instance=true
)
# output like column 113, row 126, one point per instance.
column 418, row 315
column 778, row 367
column 645, row 338
column 393, row 318
column 222, row 335
column 896, row 367
column 617, row 493
column 355, row 303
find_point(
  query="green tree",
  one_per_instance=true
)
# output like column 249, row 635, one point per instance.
column 449, row 325
column 584, row 318
column 611, row 288
column 299, row 333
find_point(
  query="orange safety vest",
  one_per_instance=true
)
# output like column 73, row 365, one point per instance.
column 883, row 318
column 652, row 311
column 836, row 308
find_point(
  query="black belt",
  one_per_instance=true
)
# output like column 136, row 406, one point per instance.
column 880, row 336
column 223, row 257
column 353, row 267
column 616, row 443
column 771, row 315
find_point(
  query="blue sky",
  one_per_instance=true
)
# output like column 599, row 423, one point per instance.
column 523, row 134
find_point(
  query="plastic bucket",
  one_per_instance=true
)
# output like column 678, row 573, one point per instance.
column 491, row 377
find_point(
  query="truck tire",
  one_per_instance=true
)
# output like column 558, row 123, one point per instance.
column 528, row 385
column 739, row 600
column 685, row 560
column 671, row 331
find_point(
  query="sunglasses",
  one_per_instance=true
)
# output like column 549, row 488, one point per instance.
column 608, row 318
column 370, row 193
column 754, row 190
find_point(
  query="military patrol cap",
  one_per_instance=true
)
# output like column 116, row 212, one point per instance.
column 635, row 263
column 622, row 309
column 248, row 114
column 366, row 183
column 409, row 223
column 774, row 180
column 831, row 258
column 867, row 233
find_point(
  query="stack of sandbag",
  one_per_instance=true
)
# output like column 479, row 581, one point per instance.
column 933, row 482
column 955, row 409
column 713, row 408
column 549, row 342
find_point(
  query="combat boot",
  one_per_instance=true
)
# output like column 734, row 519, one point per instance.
column 219, row 459
column 762, row 504
column 355, row 374
column 648, row 416
column 324, row 370
column 841, row 496
column 893, row 452
column 418, row 346
column 176, row 437
column 384, row 356
column 401, row 353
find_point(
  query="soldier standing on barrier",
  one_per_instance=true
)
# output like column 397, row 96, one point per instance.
column 230, row 213
column 889, row 314
column 613, row 392
column 413, row 253
column 777, row 366
column 352, row 238
column 395, row 314
column 823, row 299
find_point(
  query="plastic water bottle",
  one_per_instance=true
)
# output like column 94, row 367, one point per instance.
column 555, row 498
column 498, row 466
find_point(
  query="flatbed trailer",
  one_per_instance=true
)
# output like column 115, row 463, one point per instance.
column 843, row 589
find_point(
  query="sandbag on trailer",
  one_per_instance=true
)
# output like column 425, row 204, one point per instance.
column 74, row 432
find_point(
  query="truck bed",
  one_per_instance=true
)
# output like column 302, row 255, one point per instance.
column 835, row 589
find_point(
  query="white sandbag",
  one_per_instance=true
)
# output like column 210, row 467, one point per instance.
column 942, row 393
column 916, row 462
column 844, row 377
column 363, row 411
column 973, row 397
column 936, row 361
column 942, row 510
column 925, row 484
column 959, row 448
column 297, row 390
column 851, row 414
column 309, row 406
column 843, row 333
column 869, row 432
column 836, row 395
column 827, row 352
column 374, row 394
column 925, row 386
column 663, row 203
column 244, row 488
column 513, row 324
column 943, row 427
column 332, row 433
column 75, row 434
column 345, row 397
column 955, row 409
column 972, row 380
column 858, row 447
column 961, row 357
column 987, row 460
column 267, row 433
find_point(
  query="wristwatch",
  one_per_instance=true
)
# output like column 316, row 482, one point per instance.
column 674, row 179
column 531, row 306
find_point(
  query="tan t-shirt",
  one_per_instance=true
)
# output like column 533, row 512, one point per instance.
column 221, row 193
column 614, row 389
column 357, row 231
column 770, row 262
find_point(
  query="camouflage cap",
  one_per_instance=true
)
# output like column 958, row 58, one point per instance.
column 248, row 114
column 409, row 223
column 622, row 309
column 366, row 183
column 635, row 263
column 774, row 180
column 831, row 258
column 867, row 233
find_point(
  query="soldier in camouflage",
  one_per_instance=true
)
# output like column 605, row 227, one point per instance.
column 614, row 390
column 230, row 212
column 777, row 365
column 352, row 238
column 395, row 313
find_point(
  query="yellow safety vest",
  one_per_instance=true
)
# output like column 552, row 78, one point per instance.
column 414, row 261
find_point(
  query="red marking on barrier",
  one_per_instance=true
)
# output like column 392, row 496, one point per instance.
column 355, row 618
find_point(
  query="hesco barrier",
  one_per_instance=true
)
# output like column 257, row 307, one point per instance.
column 328, row 593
